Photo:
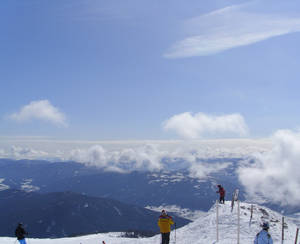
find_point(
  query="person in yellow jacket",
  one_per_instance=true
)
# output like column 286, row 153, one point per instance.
column 164, row 222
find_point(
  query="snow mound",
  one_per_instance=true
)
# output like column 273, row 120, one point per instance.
column 203, row 230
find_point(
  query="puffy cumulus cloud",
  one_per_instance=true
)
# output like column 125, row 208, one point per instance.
column 195, row 126
column 146, row 157
column 275, row 175
column 95, row 155
column 40, row 110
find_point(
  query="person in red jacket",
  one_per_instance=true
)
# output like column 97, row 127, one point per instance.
column 221, row 191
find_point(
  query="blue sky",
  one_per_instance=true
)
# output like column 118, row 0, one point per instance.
column 119, row 70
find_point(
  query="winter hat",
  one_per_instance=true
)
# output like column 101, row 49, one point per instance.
column 265, row 225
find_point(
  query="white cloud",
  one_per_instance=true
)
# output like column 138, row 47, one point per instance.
column 275, row 175
column 126, row 156
column 202, row 170
column 191, row 126
column 24, row 153
column 228, row 28
column 146, row 157
column 187, row 149
column 40, row 110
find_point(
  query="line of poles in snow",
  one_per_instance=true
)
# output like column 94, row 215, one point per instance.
column 235, row 199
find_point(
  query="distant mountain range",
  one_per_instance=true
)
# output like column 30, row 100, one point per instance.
column 140, row 188
column 174, row 187
column 62, row 214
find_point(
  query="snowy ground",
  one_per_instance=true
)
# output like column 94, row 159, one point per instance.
column 201, row 231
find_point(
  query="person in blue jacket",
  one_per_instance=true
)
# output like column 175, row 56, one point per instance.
column 20, row 233
column 264, row 237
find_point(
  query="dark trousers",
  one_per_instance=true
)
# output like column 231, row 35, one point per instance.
column 165, row 238
column 222, row 199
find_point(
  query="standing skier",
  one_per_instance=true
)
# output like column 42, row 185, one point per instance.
column 20, row 233
column 263, row 237
column 164, row 222
column 221, row 191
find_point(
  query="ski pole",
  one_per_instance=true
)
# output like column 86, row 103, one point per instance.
column 28, row 241
column 217, row 220
column 238, row 224
column 296, row 238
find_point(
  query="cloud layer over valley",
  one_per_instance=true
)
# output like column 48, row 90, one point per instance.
column 127, row 156
column 270, row 169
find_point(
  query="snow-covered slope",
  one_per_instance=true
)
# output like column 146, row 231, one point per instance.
column 201, row 231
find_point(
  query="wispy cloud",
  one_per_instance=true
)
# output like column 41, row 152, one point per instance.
column 230, row 27
column 40, row 110
column 199, row 125
column 275, row 175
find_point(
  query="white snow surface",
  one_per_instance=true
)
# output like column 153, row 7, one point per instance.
column 201, row 231
column 26, row 186
column 3, row 186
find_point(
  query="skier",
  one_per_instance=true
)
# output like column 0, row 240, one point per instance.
column 221, row 191
column 164, row 222
column 20, row 233
column 103, row 242
column 263, row 237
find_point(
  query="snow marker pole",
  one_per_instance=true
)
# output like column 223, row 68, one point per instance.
column 282, row 230
column 232, row 202
column 175, row 232
column 238, row 216
column 235, row 197
column 296, row 238
column 251, row 214
column 217, row 220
